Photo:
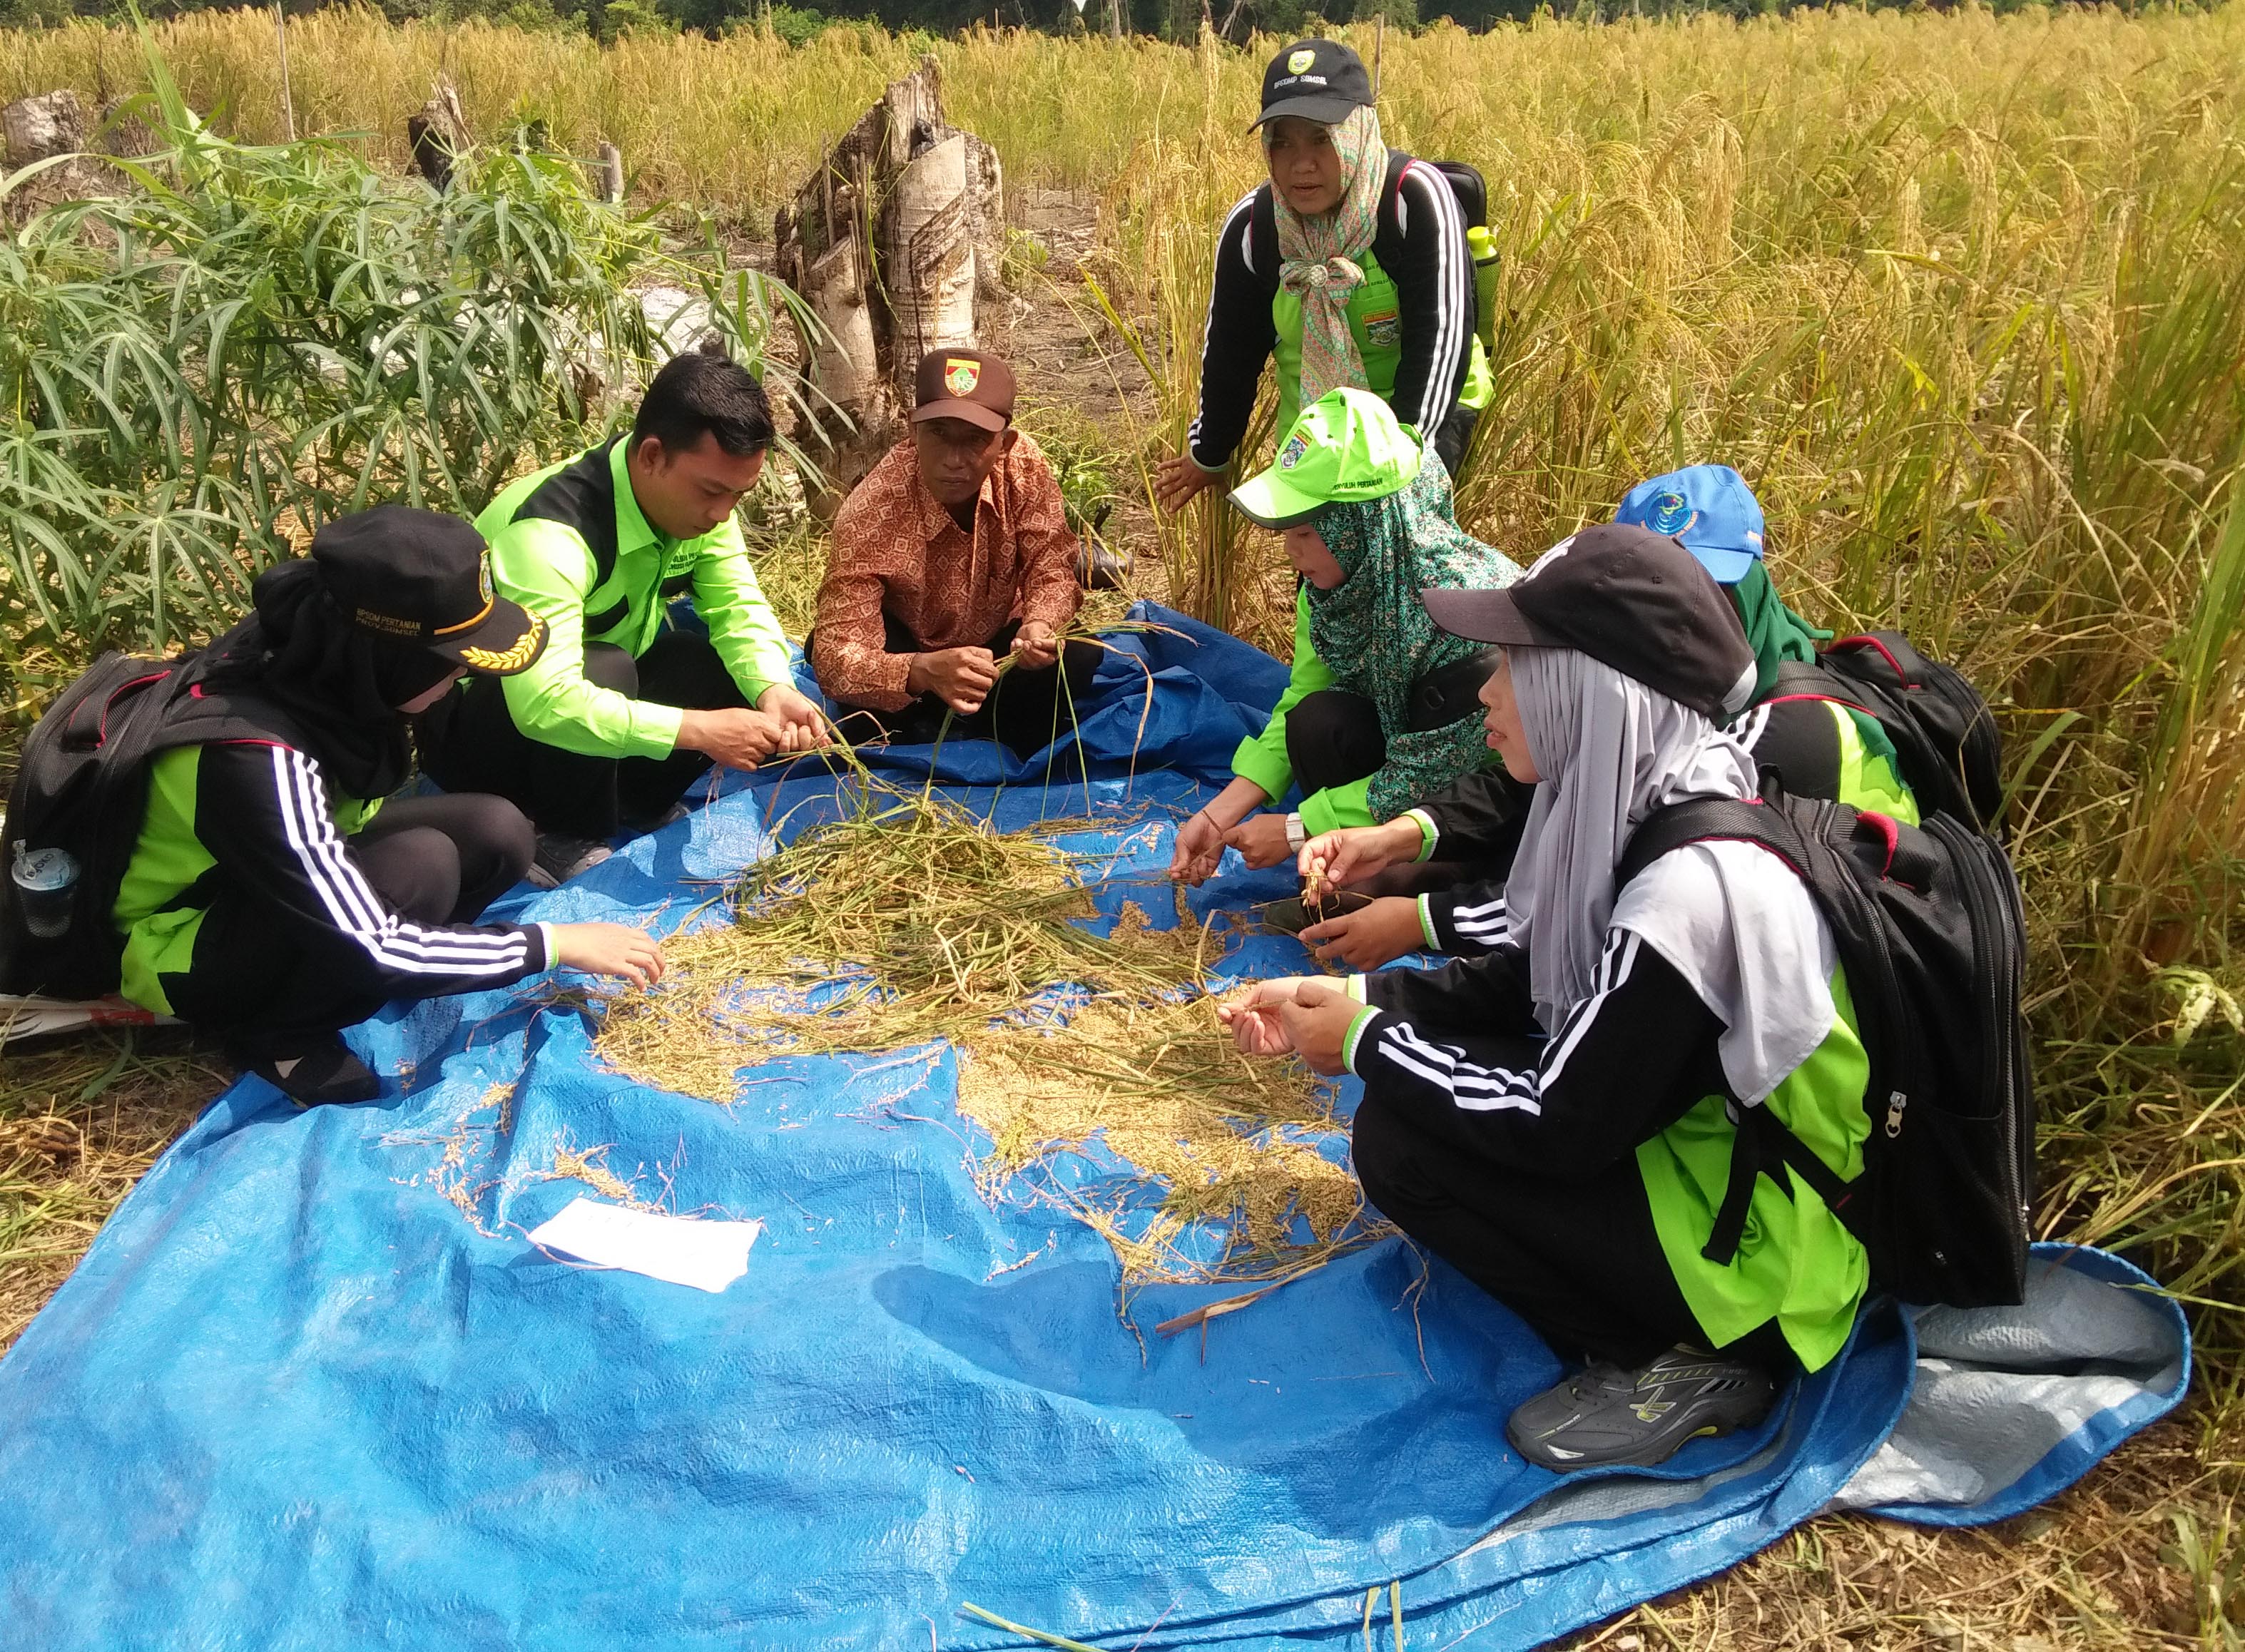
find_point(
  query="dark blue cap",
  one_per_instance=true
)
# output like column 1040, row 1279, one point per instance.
column 1710, row 508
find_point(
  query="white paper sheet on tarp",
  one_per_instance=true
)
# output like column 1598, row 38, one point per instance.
column 683, row 1251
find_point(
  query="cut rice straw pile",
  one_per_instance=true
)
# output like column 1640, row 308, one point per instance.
column 909, row 919
column 1233, row 1139
column 912, row 919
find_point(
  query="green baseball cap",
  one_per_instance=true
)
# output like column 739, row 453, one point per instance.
column 1347, row 447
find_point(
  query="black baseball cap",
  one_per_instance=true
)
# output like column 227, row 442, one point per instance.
column 963, row 384
column 420, row 577
column 1320, row 80
column 1626, row 596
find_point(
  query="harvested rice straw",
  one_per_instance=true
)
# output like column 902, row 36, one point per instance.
column 909, row 919
column 1231, row 1140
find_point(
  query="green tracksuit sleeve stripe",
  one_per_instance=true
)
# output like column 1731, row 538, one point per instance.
column 548, row 568
column 1262, row 758
column 741, row 625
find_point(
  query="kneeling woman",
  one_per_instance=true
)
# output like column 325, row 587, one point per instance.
column 272, row 896
column 1380, row 710
column 1577, row 1176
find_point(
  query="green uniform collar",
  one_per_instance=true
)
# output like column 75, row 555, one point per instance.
column 633, row 529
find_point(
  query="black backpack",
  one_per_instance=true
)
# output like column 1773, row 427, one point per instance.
column 1927, row 924
column 83, row 786
column 1951, row 751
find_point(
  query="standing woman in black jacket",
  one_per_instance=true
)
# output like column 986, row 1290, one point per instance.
column 1349, row 267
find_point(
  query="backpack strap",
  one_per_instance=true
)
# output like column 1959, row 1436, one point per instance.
column 1739, row 820
column 1761, row 1144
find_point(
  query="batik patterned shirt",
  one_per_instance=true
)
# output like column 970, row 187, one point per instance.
column 898, row 552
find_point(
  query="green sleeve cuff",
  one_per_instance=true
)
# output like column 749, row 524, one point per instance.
column 1254, row 760
column 1365, row 1017
column 1337, row 806
column 1355, row 987
column 1427, row 923
column 1429, row 832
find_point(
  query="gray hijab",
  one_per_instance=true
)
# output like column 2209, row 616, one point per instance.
column 1610, row 751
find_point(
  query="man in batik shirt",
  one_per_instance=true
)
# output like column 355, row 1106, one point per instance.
column 952, row 577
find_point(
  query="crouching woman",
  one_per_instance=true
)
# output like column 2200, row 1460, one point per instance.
column 272, row 896
column 1555, row 1118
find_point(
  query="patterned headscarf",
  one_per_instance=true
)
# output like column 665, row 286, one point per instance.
column 1320, row 258
column 1374, row 634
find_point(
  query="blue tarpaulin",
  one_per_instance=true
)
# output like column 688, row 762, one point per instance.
column 313, row 1388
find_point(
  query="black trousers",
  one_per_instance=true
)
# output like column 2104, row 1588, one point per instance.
column 1333, row 737
column 1451, row 439
column 432, row 860
column 1579, row 1260
column 471, row 742
column 1026, row 711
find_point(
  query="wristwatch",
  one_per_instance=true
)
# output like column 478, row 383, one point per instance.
column 1295, row 836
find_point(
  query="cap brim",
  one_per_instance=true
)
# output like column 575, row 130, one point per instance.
column 1269, row 501
column 1328, row 109
column 1728, row 566
column 509, row 640
column 1486, row 616
column 974, row 413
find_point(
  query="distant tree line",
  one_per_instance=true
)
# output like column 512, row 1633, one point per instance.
column 1168, row 19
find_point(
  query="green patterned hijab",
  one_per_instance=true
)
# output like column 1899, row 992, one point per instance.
column 1373, row 632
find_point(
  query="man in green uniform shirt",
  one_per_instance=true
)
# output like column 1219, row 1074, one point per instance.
column 622, row 713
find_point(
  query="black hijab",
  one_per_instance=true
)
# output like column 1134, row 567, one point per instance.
column 336, row 688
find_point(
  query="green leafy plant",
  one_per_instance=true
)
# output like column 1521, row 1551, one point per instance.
column 243, row 341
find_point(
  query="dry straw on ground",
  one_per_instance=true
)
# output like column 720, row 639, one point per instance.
column 909, row 919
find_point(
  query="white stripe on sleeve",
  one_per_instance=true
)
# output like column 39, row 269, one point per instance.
column 353, row 906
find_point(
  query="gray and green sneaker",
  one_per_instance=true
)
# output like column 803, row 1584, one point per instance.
column 1606, row 1416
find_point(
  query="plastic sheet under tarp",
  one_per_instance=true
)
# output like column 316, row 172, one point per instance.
column 313, row 1388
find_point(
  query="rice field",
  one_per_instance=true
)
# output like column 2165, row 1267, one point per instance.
column 1963, row 295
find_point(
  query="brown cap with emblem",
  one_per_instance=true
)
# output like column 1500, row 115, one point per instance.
column 963, row 384
column 419, row 577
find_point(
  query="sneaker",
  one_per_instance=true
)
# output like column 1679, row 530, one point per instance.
column 1606, row 1416
column 327, row 1072
column 669, row 817
column 561, row 857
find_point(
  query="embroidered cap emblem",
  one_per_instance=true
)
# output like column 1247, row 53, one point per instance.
column 1301, row 60
column 1296, row 446
column 514, row 659
column 1672, row 513
column 960, row 377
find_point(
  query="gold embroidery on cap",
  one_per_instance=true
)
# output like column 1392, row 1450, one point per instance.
column 524, row 651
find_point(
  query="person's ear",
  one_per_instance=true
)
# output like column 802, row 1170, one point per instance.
column 647, row 450
column 1006, row 440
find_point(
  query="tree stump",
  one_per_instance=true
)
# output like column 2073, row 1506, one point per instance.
column 438, row 134
column 38, row 129
column 894, row 244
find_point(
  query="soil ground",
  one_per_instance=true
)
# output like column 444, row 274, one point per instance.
column 2110, row 1564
